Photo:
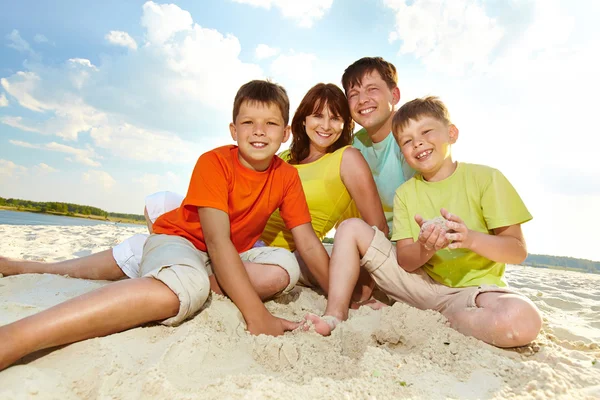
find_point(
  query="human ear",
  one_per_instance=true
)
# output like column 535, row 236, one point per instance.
column 286, row 133
column 453, row 133
column 396, row 95
column 233, row 131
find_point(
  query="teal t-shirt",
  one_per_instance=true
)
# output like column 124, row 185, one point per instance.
column 388, row 166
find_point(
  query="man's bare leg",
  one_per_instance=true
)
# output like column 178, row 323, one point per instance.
column 110, row 309
column 100, row 266
column 501, row 319
column 352, row 240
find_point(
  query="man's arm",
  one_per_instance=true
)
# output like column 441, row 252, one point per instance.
column 313, row 254
column 232, row 276
column 358, row 179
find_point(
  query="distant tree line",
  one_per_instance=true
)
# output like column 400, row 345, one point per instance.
column 579, row 264
column 54, row 207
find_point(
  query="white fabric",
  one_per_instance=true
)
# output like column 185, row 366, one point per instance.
column 161, row 202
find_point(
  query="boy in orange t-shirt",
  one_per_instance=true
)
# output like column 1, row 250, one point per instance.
column 232, row 193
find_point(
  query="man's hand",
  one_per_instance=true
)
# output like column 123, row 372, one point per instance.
column 432, row 237
column 460, row 236
column 271, row 325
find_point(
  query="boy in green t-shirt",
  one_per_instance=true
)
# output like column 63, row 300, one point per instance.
column 453, row 263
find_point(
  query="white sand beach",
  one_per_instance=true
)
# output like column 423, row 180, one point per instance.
column 399, row 352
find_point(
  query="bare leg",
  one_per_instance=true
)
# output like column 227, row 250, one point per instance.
column 110, row 309
column 267, row 280
column 352, row 240
column 501, row 319
column 148, row 222
column 100, row 265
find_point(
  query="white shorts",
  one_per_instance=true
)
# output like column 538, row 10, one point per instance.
column 128, row 254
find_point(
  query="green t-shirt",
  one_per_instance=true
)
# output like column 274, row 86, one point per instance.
column 482, row 197
column 388, row 166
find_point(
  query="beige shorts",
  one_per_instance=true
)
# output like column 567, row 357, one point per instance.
column 417, row 288
column 175, row 261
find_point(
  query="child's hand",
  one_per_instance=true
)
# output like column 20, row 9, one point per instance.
column 460, row 237
column 432, row 236
column 272, row 326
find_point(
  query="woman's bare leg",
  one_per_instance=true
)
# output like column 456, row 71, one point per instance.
column 148, row 222
column 110, row 309
column 267, row 280
column 101, row 266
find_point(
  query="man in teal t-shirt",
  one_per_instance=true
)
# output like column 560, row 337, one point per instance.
column 372, row 90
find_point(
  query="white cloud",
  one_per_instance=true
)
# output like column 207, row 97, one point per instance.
column 263, row 51
column 20, row 86
column 17, row 122
column 10, row 170
column 294, row 66
column 449, row 36
column 18, row 43
column 43, row 169
column 3, row 100
column 305, row 12
column 134, row 143
column 152, row 183
column 101, row 178
column 163, row 21
column 39, row 38
column 85, row 156
column 121, row 38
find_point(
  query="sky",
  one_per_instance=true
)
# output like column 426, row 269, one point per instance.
column 104, row 102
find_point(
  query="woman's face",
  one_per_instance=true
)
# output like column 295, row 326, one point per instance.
column 323, row 128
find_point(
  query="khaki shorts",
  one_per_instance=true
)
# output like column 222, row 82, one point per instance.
column 175, row 261
column 417, row 288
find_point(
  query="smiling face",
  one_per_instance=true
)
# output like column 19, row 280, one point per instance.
column 372, row 104
column 323, row 128
column 259, row 130
column 425, row 143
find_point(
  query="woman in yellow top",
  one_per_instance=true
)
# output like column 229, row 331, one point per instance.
column 333, row 174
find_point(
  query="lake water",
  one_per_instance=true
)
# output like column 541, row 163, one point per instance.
column 27, row 218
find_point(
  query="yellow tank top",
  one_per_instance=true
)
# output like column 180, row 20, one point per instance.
column 326, row 195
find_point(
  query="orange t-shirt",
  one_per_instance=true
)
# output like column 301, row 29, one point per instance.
column 249, row 198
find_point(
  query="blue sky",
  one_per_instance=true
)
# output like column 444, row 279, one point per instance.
column 104, row 102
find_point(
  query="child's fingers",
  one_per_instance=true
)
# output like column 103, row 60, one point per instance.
column 455, row 245
column 419, row 220
column 455, row 237
column 453, row 217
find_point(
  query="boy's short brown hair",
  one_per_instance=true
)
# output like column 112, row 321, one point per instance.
column 430, row 106
column 354, row 73
column 265, row 92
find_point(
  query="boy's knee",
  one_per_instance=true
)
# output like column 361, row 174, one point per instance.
column 521, row 322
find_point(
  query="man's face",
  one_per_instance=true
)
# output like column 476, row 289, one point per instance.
column 259, row 130
column 372, row 103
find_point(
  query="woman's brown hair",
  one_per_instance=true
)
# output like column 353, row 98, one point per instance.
column 313, row 102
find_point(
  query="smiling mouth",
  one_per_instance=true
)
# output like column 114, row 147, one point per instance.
column 258, row 145
column 366, row 111
column 324, row 135
column 423, row 154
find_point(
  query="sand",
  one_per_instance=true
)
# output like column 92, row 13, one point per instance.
column 399, row 352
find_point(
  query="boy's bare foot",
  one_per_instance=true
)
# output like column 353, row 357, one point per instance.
column 323, row 325
column 371, row 303
column 9, row 267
